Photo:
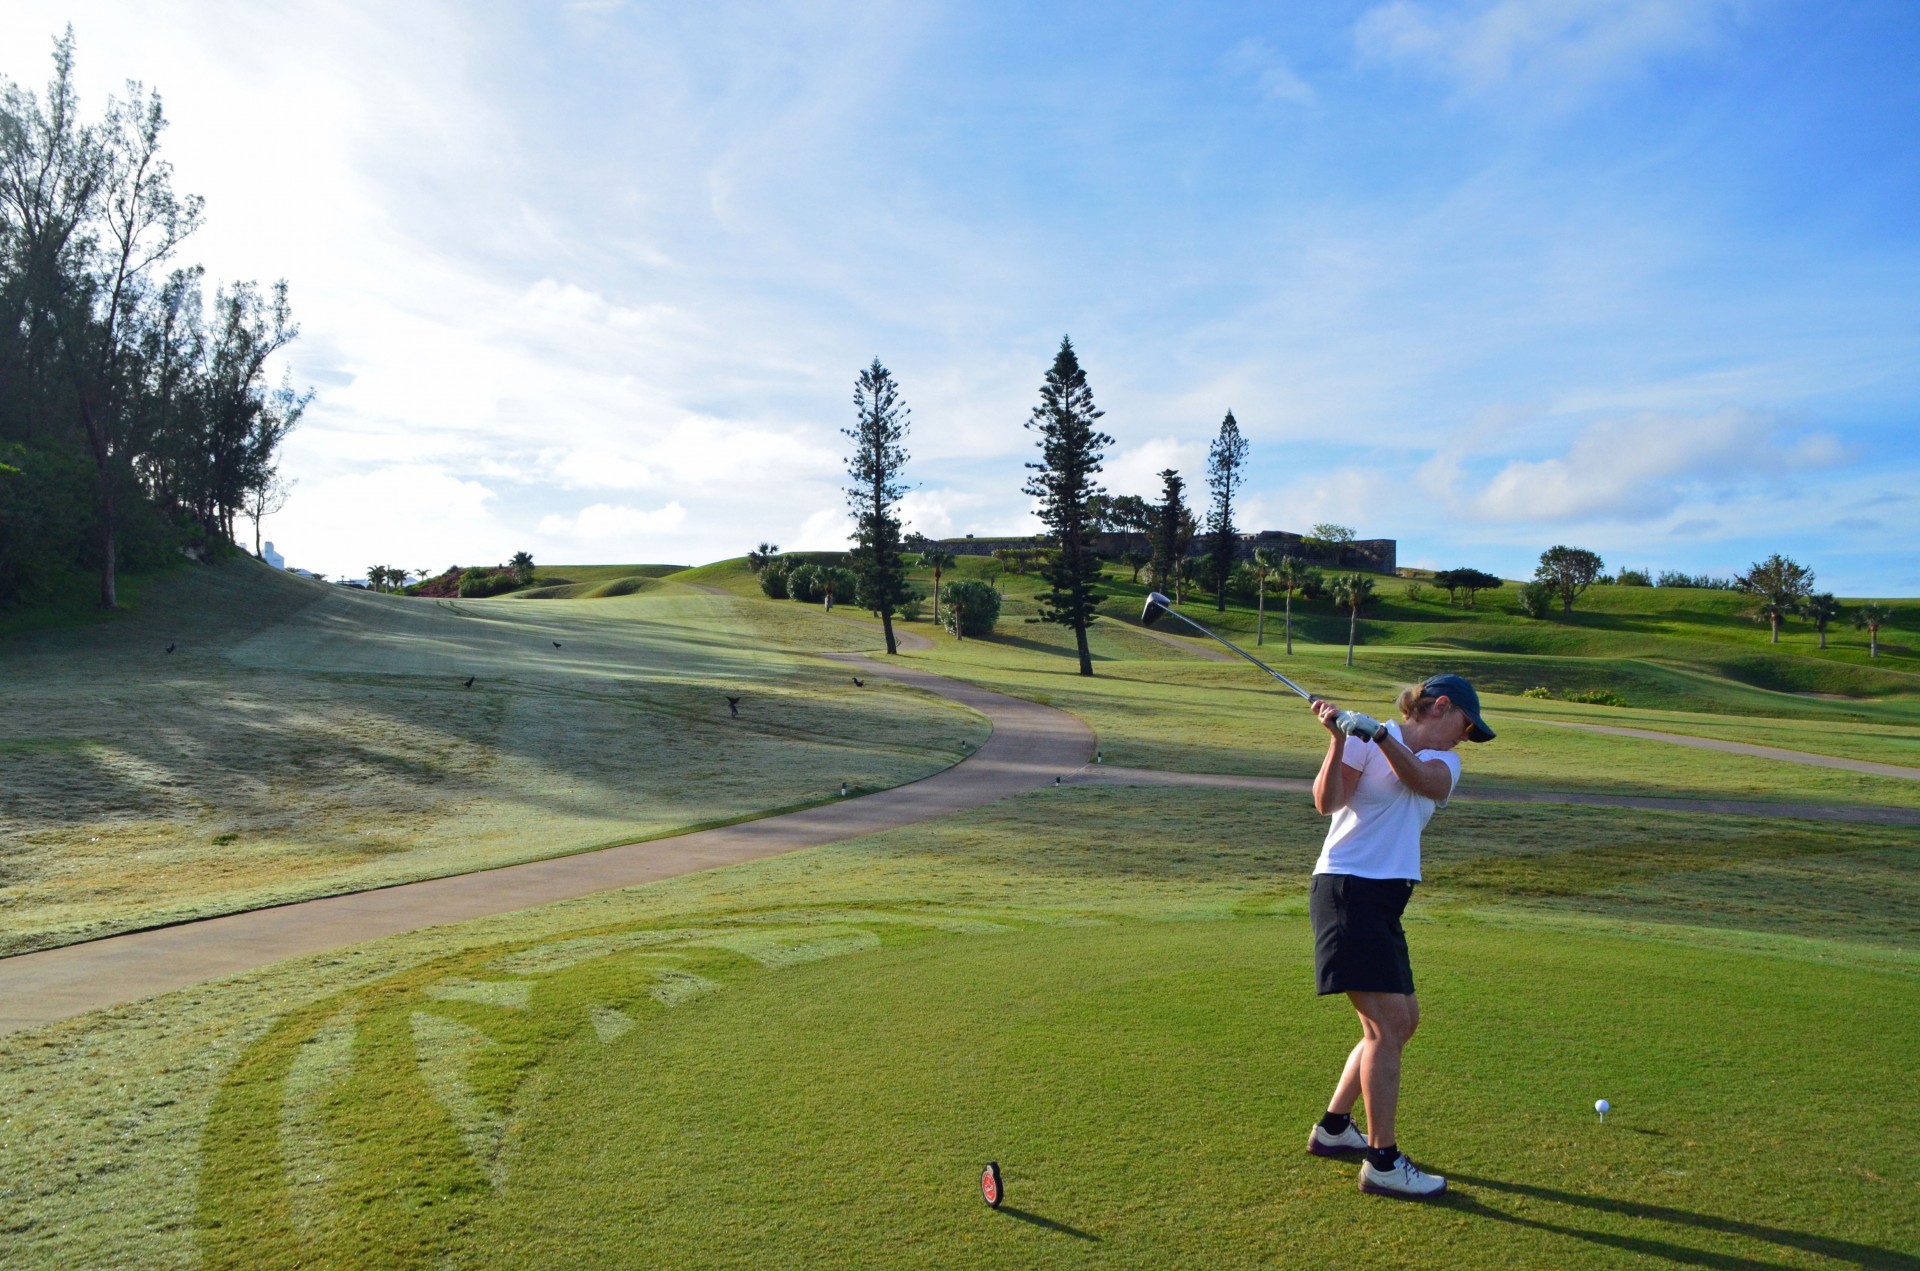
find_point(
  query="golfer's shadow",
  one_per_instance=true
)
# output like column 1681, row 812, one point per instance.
column 1047, row 1223
column 1842, row 1251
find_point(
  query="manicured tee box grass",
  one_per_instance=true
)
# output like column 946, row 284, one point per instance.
column 806, row 1061
column 304, row 739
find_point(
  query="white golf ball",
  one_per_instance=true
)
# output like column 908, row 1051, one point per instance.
column 1602, row 1106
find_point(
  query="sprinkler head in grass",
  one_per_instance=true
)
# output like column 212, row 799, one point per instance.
column 1602, row 1107
column 1097, row 757
column 843, row 789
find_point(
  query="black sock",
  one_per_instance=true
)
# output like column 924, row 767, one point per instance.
column 1336, row 1123
column 1383, row 1158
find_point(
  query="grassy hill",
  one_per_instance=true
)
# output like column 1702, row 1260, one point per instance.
column 304, row 739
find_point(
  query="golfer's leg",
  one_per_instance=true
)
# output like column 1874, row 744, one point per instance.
column 1347, row 1093
column 1392, row 1017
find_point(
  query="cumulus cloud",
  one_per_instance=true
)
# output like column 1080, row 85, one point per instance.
column 346, row 523
column 1136, row 469
column 1638, row 467
column 1562, row 48
column 603, row 522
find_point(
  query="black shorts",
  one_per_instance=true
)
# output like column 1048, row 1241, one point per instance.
column 1358, row 944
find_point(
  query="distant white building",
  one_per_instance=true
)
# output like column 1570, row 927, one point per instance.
column 272, row 557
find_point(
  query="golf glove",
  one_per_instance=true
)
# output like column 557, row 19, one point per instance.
column 1365, row 727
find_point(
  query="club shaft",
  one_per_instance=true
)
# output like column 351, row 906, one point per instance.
column 1243, row 653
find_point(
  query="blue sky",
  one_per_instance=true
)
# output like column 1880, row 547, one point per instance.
column 595, row 279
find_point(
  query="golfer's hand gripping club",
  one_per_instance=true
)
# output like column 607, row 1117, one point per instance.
column 1365, row 727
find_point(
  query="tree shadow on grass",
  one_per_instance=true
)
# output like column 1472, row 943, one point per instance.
column 1843, row 1251
column 1048, row 1223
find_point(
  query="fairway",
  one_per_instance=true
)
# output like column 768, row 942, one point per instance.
column 304, row 740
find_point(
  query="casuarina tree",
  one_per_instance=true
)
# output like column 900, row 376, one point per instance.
column 1780, row 586
column 1064, row 482
column 879, row 455
column 1226, row 472
column 1168, row 516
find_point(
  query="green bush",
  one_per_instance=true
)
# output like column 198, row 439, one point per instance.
column 1537, row 599
column 1538, row 692
column 1598, row 697
column 969, row 608
column 773, row 580
column 1416, row 591
column 1634, row 578
column 913, row 607
column 803, row 584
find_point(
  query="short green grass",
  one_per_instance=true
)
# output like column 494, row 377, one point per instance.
column 306, row 739
column 805, row 1061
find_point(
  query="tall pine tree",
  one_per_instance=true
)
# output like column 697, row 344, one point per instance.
column 879, row 455
column 1226, row 470
column 1167, row 518
column 1071, row 449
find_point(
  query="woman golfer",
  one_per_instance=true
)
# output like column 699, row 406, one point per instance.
column 1380, row 783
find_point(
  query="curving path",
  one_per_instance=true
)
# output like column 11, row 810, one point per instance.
column 1030, row 746
column 1745, row 748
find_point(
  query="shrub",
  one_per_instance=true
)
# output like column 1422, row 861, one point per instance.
column 476, row 582
column 913, row 607
column 1540, row 692
column 969, row 608
column 841, row 582
column 803, row 584
column 1706, row 582
column 1634, row 578
column 1598, row 697
column 1536, row 598
column 773, row 580
column 1416, row 591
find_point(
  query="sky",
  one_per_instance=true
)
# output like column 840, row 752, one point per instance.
column 594, row 279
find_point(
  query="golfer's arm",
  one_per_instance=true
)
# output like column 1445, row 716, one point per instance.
column 1330, row 787
column 1428, row 778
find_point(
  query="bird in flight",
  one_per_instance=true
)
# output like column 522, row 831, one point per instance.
column 733, row 707
column 858, row 682
column 469, row 683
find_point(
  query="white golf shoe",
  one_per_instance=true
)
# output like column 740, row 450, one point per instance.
column 1345, row 1143
column 1404, row 1180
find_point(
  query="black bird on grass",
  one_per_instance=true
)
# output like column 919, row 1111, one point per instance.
column 169, row 648
column 469, row 683
column 556, row 644
column 733, row 707
column 858, row 682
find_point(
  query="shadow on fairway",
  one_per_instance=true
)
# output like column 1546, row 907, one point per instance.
column 1823, row 1246
column 1048, row 1223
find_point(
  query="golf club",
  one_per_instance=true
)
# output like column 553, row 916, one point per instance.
column 1352, row 723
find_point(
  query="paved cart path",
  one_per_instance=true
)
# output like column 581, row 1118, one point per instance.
column 1030, row 746
column 1745, row 748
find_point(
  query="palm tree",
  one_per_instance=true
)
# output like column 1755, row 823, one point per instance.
column 1822, row 608
column 1288, row 574
column 1265, row 561
column 758, row 558
column 377, row 577
column 1782, row 585
column 1186, row 573
column 1352, row 592
column 1872, row 617
column 939, row 560
column 522, row 567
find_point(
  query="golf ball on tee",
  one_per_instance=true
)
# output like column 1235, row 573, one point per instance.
column 1602, row 1106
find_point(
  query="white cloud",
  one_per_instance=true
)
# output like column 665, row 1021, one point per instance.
column 602, row 523
column 1136, row 469
column 827, row 530
column 1276, row 79
column 411, row 516
column 1561, row 49
column 1640, row 467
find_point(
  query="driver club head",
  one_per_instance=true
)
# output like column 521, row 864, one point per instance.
column 1157, row 605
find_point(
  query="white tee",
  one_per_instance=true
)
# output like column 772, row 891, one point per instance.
column 1377, row 835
